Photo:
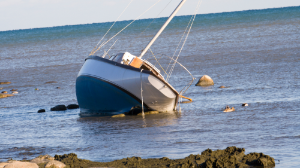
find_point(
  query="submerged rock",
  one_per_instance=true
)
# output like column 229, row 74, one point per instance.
column 41, row 110
column 5, row 83
column 148, row 112
column 14, row 90
column 222, row 87
column 72, row 106
column 50, row 82
column 59, row 108
column 4, row 92
column 119, row 115
column 205, row 80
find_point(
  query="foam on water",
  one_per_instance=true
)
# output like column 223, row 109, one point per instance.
column 256, row 54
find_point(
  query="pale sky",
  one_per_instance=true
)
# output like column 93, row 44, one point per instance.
column 24, row 14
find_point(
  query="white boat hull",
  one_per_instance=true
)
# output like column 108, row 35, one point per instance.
column 104, row 87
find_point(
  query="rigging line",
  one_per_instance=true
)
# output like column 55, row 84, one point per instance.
column 182, row 67
column 92, row 52
column 109, row 49
column 182, row 37
column 179, row 43
column 158, row 62
column 149, row 25
column 126, row 26
column 196, row 10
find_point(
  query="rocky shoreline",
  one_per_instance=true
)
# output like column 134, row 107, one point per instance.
column 229, row 157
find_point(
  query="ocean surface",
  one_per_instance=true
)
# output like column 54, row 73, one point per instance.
column 255, row 54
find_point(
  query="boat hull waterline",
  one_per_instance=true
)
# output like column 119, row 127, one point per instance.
column 105, row 87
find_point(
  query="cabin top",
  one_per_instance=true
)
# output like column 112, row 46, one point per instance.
column 134, row 61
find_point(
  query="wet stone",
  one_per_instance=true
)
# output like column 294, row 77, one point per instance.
column 59, row 108
column 73, row 106
column 205, row 80
column 4, row 92
column 4, row 95
column 119, row 115
column 5, row 83
column 245, row 104
column 41, row 110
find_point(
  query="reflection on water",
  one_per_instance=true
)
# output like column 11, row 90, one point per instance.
column 131, row 121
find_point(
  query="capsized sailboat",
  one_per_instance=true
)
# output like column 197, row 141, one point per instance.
column 124, row 82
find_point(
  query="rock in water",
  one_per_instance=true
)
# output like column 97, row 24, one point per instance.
column 4, row 92
column 205, row 80
column 3, row 95
column 72, row 106
column 222, row 87
column 5, row 83
column 229, row 110
column 59, row 108
column 50, row 82
column 41, row 111
column 119, row 115
column 14, row 90
column 259, row 159
column 245, row 104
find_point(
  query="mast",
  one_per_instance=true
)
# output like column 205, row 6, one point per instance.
column 162, row 28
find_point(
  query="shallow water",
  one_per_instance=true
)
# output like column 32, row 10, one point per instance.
column 255, row 54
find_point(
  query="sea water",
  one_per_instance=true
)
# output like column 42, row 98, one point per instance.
column 254, row 54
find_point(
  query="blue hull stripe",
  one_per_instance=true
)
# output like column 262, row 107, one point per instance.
column 95, row 95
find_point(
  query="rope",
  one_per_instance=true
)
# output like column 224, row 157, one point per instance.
column 158, row 62
column 109, row 50
column 125, row 27
column 191, row 82
column 93, row 51
column 141, row 74
column 196, row 10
